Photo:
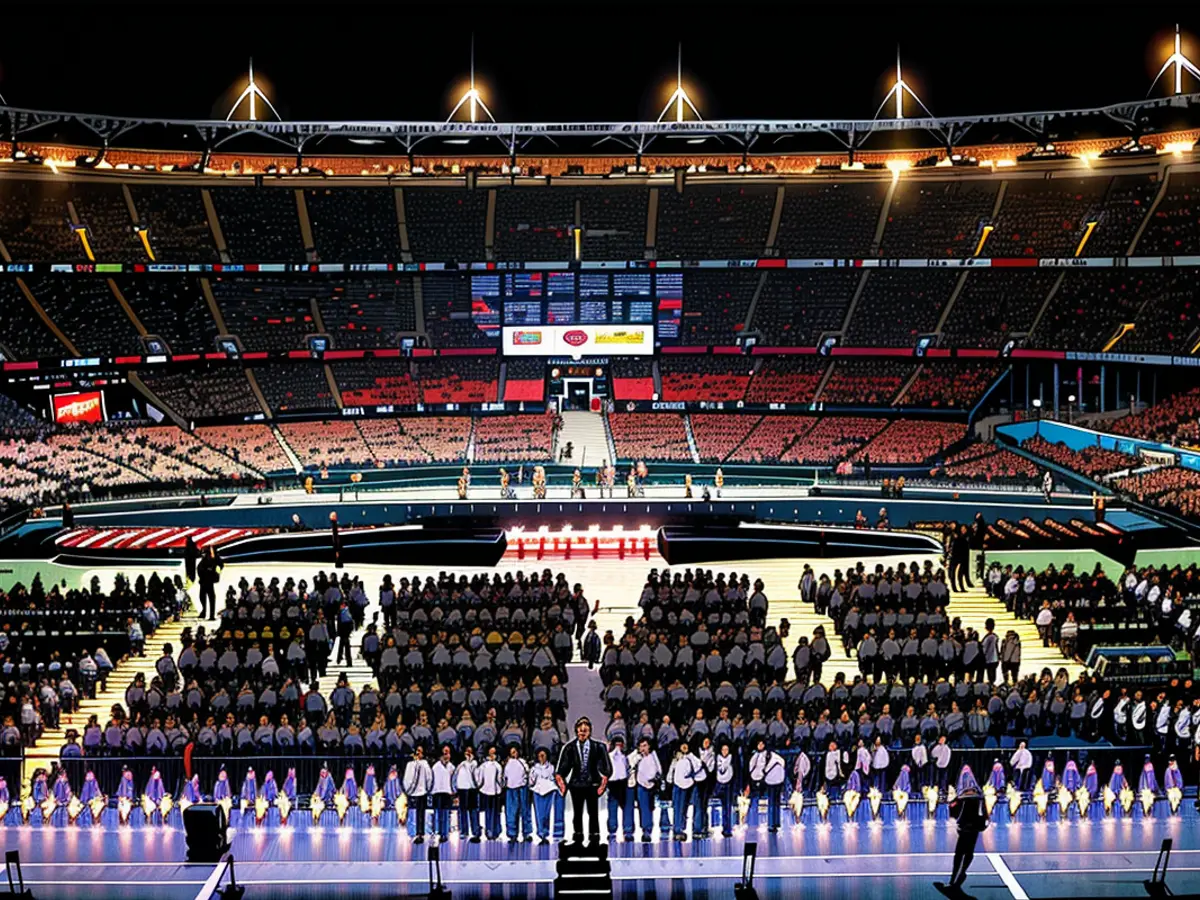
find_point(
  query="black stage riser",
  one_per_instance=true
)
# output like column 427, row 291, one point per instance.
column 687, row 545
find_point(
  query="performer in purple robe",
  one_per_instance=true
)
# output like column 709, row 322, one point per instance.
column 1072, row 780
column 1172, row 778
column 997, row 779
column 221, row 790
column 1118, row 783
column 289, row 786
column 325, row 788
column 1091, row 780
column 1049, row 778
column 369, row 786
column 350, row 786
column 62, row 788
column 966, row 781
column 249, row 788
column 91, row 789
column 154, row 787
column 270, row 790
column 392, row 788
column 125, row 789
column 903, row 781
column 191, row 790
column 1148, row 780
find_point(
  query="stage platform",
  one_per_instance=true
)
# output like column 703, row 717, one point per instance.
column 1109, row 858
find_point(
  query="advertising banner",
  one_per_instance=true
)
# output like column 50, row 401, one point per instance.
column 82, row 407
column 579, row 340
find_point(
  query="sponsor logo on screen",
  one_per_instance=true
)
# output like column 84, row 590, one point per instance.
column 632, row 336
column 78, row 407
column 575, row 337
column 527, row 338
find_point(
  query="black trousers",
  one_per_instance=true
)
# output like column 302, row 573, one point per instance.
column 964, row 854
column 208, row 600
column 585, row 799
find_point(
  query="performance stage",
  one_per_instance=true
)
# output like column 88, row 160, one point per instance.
column 1108, row 858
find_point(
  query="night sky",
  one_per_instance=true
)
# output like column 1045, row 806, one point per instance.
column 359, row 61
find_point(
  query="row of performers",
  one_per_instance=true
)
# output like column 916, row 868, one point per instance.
column 526, row 797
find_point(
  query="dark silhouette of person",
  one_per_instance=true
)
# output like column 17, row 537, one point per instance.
column 583, row 770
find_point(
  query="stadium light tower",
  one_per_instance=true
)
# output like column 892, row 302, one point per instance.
column 1180, row 62
column 252, row 92
column 679, row 99
column 471, row 98
column 899, row 89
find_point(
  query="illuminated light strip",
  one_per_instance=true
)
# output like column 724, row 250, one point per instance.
column 1087, row 233
column 81, row 230
column 1126, row 327
column 1006, row 875
column 144, row 234
column 987, row 230
column 151, row 535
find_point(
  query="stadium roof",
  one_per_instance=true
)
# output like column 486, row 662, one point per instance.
column 743, row 136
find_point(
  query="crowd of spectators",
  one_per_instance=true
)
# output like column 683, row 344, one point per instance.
column 58, row 645
column 614, row 221
column 949, row 386
column 989, row 464
column 176, row 224
column 1094, row 462
column 931, row 219
column 771, row 438
column 869, row 382
column 459, row 380
column 719, row 434
column 832, row 438
column 291, row 387
column 327, row 444
column 535, row 223
column 830, row 219
column 368, row 314
column 102, row 210
column 514, row 438
column 796, row 306
column 376, row 382
column 203, row 394
column 259, row 224
column 473, row 662
column 173, row 309
column 787, row 380
column 1173, row 488
column 446, row 224
column 87, row 313
column 722, row 221
column 1167, row 321
column 1175, row 225
column 34, row 224
column 22, row 331
column 897, row 306
column 1090, row 306
column 1046, row 217
column 632, row 378
column 704, row 378
column 906, row 441
column 649, row 436
column 715, row 304
column 391, row 444
column 266, row 314
column 1172, row 420
column 1128, row 200
column 449, row 320
column 252, row 445
column 995, row 304
column 353, row 224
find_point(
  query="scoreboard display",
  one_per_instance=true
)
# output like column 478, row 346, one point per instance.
column 586, row 298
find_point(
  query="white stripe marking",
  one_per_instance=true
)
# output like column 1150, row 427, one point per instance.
column 150, row 536
column 91, row 539
column 1006, row 875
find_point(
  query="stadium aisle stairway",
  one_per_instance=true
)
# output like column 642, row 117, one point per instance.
column 803, row 619
column 45, row 751
column 975, row 607
column 585, row 431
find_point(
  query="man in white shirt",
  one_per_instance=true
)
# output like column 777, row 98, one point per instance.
column 646, row 775
column 517, row 815
column 544, row 789
column 682, row 778
column 489, row 779
column 620, row 797
column 418, row 778
column 1022, row 767
column 941, row 762
column 920, row 763
column 767, row 774
column 442, row 792
column 468, row 795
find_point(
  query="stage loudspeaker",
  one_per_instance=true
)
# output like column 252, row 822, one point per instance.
column 205, row 825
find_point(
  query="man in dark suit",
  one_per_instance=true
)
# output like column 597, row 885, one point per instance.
column 972, row 818
column 583, row 770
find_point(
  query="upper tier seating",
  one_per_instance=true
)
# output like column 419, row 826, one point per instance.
column 897, row 306
column 376, row 382
column 34, row 225
column 614, row 221
column 446, row 224
column 711, row 378
column 830, row 219
column 22, row 330
column 88, row 313
column 267, row 314
column 293, row 387
column 464, row 379
column 715, row 305
column 101, row 208
column 1090, row 306
column 787, row 380
column 706, row 221
column 1046, row 217
column 930, row 219
column 260, row 224
column 176, row 224
column 995, row 304
column 172, row 308
column 1175, row 225
column 353, row 224
column 448, row 320
column 797, row 306
column 203, row 394
column 368, row 314
column 535, row 223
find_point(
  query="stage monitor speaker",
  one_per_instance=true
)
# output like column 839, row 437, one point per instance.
column 205, row 825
